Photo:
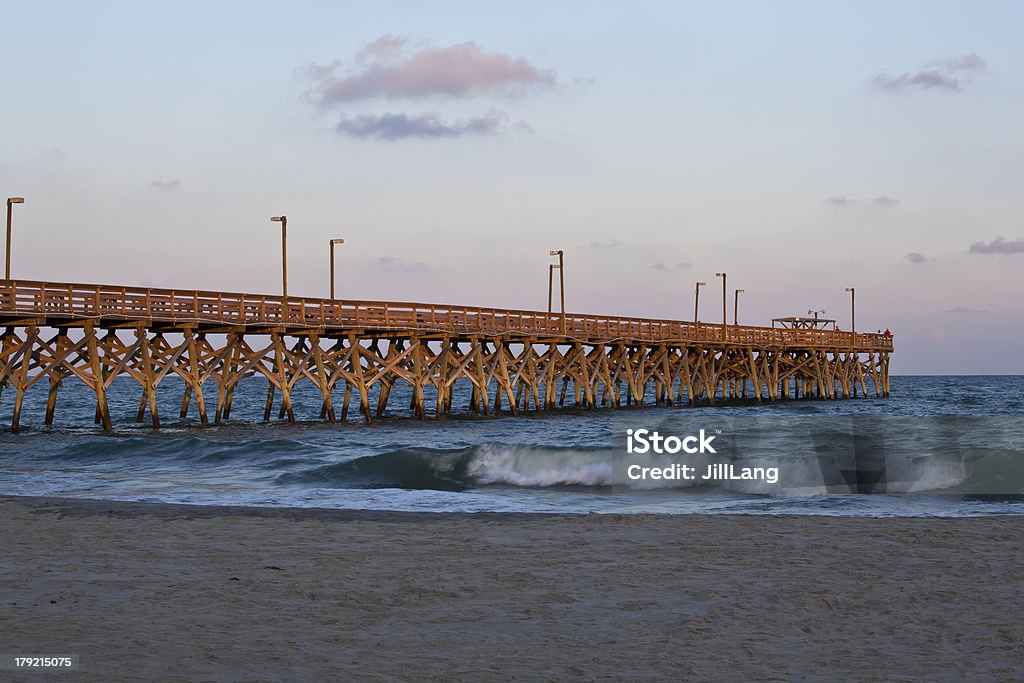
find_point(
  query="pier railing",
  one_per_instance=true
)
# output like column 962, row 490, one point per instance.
column 69, row 302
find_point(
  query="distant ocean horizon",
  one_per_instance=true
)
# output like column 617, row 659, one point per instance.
column 559, row 461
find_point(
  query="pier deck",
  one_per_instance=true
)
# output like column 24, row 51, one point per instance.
column 212, row 339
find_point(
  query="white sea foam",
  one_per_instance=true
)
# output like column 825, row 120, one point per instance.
column 538, row 467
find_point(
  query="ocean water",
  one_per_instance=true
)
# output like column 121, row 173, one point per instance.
column 955, row 447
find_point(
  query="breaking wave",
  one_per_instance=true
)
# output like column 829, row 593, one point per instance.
column 534, row 467
column 460, row 469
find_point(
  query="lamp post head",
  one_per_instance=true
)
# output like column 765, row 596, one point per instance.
column 701, row 284
column 338, row 241
column 15, row 200
column 555, row 252
column 279, row 219
column 740, row 291
column 719, row 274
column 849, row 289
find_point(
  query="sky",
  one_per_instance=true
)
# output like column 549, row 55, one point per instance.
column 802, row 147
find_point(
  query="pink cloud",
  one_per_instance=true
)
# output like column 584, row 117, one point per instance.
column 385, row 70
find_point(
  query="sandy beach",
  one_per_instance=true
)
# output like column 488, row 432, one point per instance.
column 163, row 592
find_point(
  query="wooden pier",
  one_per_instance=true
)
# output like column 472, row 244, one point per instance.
column 512, row 360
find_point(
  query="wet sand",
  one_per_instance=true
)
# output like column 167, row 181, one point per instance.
column 167, row 592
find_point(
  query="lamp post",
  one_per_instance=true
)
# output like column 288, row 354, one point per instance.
column 283, row 220
column 561, row 281
column 334, row 243
column 853, row 311
column 551, row 277
column 696, row 299
column 725, row 306
column 11, row 201
column 736, row 307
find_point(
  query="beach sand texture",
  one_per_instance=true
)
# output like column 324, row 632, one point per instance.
column 164, row 592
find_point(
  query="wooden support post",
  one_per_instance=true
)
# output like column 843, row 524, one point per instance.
column 480, row 350
column 585, row 377
column 346, row 400
column 323, row 380
column 442, row 384
column 185, row 401
column 885, row 373
column 227, row 377
column 388, row 378
column 270, row 401
column 195, row 378
column 229, row 398
column 103, row 372
column 281, row 375
column 21, row 376
column 51, row 400
column 61, row 342
column 417, row 389
column 532, row 378
column 504, row 381
column 290, row 368
column 95, row 366
column 666, row 374
column 356, row 359
column 148, row 377
column 640, row 379
column 187, row 397
column 550, row 371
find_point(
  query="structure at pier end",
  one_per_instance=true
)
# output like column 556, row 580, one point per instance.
column 511, row 360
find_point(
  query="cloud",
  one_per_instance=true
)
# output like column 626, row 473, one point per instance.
column 998, row 246
column 385, row 69
column 383, row 49
column 917, row 257
column 965, row 311
column 670, row 268
column 881, row 201
column 949, row 74
column 597, row 244
column 425, row 125
column 391, row 69
column 166, row 184
column 390, row 263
